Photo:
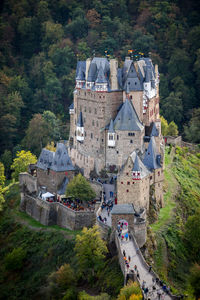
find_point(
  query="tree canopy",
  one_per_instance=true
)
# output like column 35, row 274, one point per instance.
column 90, row 252
column 80, row 188
column 21, row 162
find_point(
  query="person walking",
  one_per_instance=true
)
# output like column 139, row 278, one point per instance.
column 135, row 268
column 150, row 267
column 129, row 258
column 124, row 252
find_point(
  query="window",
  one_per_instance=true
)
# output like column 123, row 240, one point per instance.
column 85, row 133
column 128, row 182
column 85, row 109
column 117, row 137
column 102, row 140
column 75, row 121
column 131, row 134
column 92, row 122
column 75, row 133
column 89, row 109
column 110, row 137
column 131, row 141
column 91, row 135
column 117, row 152
column 75, row 109
column 159, row 173
column 97, row 123
column 133, row 173
column 150, row 177
column 95, row 111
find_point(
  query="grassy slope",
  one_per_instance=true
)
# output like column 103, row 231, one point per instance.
column 182, row 194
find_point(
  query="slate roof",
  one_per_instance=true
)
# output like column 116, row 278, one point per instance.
column 80, row 120
column 92, row 72
column 80, row 69
column 130, row 77
column 63, row 186
column 111, row 126
column 71, row 106
column 122, row 209
column 154, row 131
column 127, row 118
column 138, row 165
column 150, row 158
column 57, row 161
column 101, row 77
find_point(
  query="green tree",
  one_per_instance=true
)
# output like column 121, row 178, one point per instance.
column 6, row 159
column 2, row 200
column 14, row 260
column 37, row 135
column 192, row 236
column 172, row 108
column 172, row 129
column 80, row 188
column 164, row 126
column 2, row 176
column 21, row 163
column 192, row 131
column 53, row 124
column 129, row 291
column 52, row 33
column 194, row 280
column 84, row 296
column 90, row 252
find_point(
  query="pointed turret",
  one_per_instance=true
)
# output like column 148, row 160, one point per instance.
column 101, row 84
column 111, row 126
column 127, row 118
column 136, row 171
column 150, row 159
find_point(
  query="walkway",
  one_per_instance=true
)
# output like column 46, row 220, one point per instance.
column 130, row 250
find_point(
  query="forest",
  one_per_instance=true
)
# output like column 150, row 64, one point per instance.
column 41, row 42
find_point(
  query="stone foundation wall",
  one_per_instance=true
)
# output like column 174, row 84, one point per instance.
column 56, row 213
column 140, row 233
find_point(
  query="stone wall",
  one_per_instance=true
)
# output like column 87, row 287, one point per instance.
column 124, row 146
column 56, row 213
column 28, row 182
column 52, row 180
column 173, row 140
column 140, row 231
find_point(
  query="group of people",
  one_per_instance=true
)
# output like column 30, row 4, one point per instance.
column 122, row 229
column 158, row 288
column 76, row 204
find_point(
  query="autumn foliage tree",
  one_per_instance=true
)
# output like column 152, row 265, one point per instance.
column 90, row 252
column 21, row 163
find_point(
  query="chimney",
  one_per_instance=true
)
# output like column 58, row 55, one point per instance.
column 113, row 74
column 88, row 62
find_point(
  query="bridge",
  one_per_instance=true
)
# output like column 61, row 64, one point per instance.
column 147, row 278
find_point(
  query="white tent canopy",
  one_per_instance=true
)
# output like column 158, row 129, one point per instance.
column 47, row 195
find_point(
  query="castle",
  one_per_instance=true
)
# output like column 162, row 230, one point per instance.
column 115, row 125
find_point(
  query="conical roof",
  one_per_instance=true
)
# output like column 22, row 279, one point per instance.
column 154, row 131
column 150, row 156
column 127, row 118
column 136, row 164
column 92, row 72
column 81, row 75
column 111, row 126
column 101, row 77
column 80, row 120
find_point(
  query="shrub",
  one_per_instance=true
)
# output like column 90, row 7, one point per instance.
column 14, row 260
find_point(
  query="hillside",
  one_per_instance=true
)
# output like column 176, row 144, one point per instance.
column 31, row 252
column 41, row 41
column 173, row 244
